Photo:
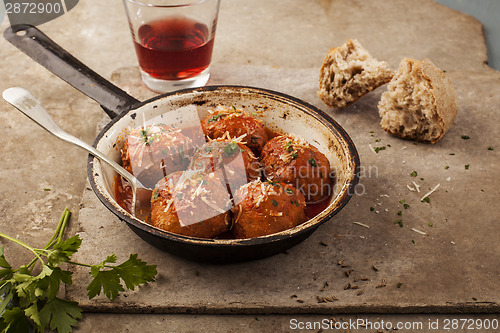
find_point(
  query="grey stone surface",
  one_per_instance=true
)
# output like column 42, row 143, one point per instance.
column 280, row 45
column 276, row 323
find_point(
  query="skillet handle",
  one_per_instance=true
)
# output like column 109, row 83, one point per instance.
column 47, row 53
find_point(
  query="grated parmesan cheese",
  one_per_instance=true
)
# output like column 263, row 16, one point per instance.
column 430, row 192
column 362, row 224
column 418, row 231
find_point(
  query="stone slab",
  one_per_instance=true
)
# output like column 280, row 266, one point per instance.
column 452, row 268
column 179, row 323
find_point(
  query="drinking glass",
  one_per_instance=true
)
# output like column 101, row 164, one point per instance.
column 173, row 40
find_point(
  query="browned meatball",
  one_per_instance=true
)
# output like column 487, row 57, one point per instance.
column 152, row 152
column 191, row 204
column 237, row 160
column 264, row 208
column 292, row 160
column 234, row 123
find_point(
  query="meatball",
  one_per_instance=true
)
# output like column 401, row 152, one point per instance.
column 292, row 160
column 263, row 208
column 191, row 204
column 152, row 152
column 237, row 161
column 235, row 123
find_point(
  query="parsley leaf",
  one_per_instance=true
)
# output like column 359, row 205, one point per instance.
column 107, row 280
column 15, row 321
column 312, row 161
column 60, row 314
column 135, row 272
column 64, row 250
column 32, row 299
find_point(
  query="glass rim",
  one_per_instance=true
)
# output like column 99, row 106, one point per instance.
column 188, row 3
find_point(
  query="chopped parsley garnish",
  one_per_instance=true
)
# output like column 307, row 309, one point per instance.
column 377, row 149
column 447, row 167
column 289, row 191
column 402, row 201
column 426, row 199
column 231, row 148
column 414, row 174
column 312, row 161
column 400, row 222
column 372, row 209
column 294, row 155
column 275, row 203
column 215, row 117
column 288, row 146
column 144, row 135
column 465, row 137
column 452, row 154
column 156, row 194
column 181, row 152
column 430, row 224
column 400, row 213
column 399, row 285
column 296, row 203
column 491, row 148
column 467, row 166
column 406, row 206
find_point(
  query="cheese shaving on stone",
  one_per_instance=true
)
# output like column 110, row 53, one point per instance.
column 410, row 188
column 362, row 224
column 418, row 231
column 430, row 192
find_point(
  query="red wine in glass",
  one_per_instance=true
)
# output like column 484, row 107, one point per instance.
column 174, row 48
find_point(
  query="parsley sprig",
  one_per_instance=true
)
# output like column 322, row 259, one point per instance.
column 29, row 295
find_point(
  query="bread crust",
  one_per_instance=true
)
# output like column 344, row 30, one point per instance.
column 348, row 73
column 436, row 113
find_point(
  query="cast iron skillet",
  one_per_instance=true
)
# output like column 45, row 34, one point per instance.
column 122, row 107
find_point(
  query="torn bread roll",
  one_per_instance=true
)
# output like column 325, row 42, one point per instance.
column 348, row 73
column 420, row 102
